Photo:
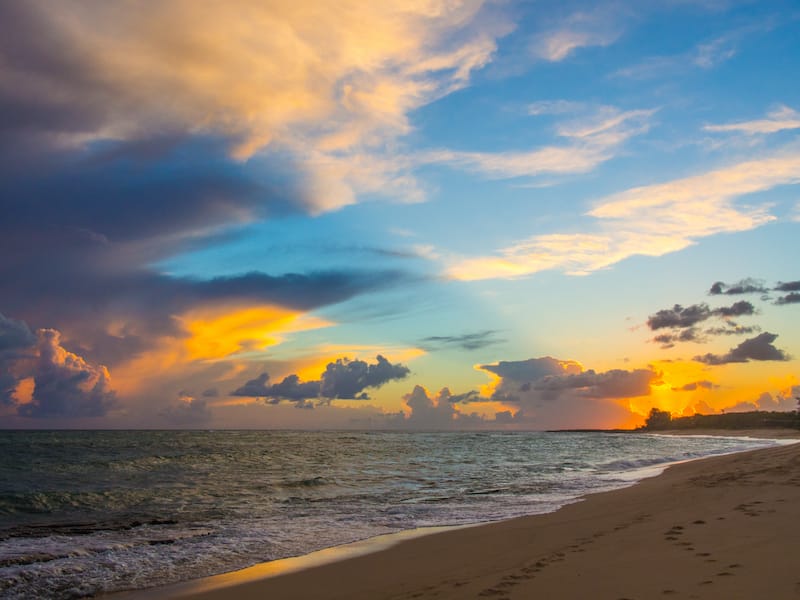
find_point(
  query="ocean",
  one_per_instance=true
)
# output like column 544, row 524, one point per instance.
column 87, row 512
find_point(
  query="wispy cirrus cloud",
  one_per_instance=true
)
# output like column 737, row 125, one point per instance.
column 780, row 119
column 583, row 29
column 591, row 141
column 650, row 220
column 705, row 55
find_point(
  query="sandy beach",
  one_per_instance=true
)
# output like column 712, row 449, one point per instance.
column 723, row 527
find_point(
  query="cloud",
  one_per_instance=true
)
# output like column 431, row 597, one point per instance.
column 695, row 385
column 780, row 119
column 342, row 379
column 684, row 317
column 668, row 340
column 579, row 30
column 706, row 55
column 678, row 316
column 651, row 220
column 188, row 411
column 553, row 393
column 792, row 298
column 616, row 383
column 347, row 75
column 466, row 341
column 592, row 141
column 532, row 369
column 254, row 387
column 16, row 343
column 347, row 378
column 757, row 348
column 65, row 385
column 428, row 412
column 732, row 329
column 766, row 401
column 745, row 286
column 788, row 286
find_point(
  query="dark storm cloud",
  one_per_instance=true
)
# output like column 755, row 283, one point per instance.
column 745, row 286
column 757, row 348
column 466, row 341
column 84, row 221
column 694, row 385
column 793, row 298
column 210, row 393
column 343, row 380
column 291, row 388
column 16, row 343
column 254, row 388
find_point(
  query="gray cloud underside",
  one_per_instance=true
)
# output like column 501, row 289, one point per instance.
column 745, row 286
column 466, row 341
column 342, row 379
column 758, row 348
column 684, row 317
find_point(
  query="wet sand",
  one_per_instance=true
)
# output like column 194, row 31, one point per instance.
column 724, row 527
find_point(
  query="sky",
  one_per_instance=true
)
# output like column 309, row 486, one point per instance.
column 417, row 214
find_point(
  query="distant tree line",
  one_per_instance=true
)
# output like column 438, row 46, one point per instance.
column 660, row 420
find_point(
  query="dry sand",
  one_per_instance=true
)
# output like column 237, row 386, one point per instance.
column 725, row 527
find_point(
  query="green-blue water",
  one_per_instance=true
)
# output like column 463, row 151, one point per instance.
column 87, row 512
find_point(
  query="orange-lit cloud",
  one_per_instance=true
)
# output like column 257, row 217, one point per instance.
column 222, row 333
column 323, row 81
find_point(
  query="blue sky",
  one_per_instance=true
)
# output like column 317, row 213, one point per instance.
column 496, row 198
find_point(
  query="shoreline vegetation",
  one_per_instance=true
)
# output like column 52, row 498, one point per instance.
column 660, row 420
column 714, row 528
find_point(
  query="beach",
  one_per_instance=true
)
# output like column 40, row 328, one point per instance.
column 722, row 527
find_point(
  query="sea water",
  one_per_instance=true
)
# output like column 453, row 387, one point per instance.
column 86, row 512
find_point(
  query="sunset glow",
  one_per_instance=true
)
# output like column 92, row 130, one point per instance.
column 397, row 215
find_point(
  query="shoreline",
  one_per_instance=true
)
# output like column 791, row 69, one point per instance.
column 343, row 567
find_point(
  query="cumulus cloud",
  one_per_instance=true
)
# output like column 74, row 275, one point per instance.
column 342, row 379
column 793, row 298
column 745, row 286
column 188, row 411
column 788, row 286
column 553, row 393
column 766, row 401
column 757, row 348
column 16, row 343
column 65, row 385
